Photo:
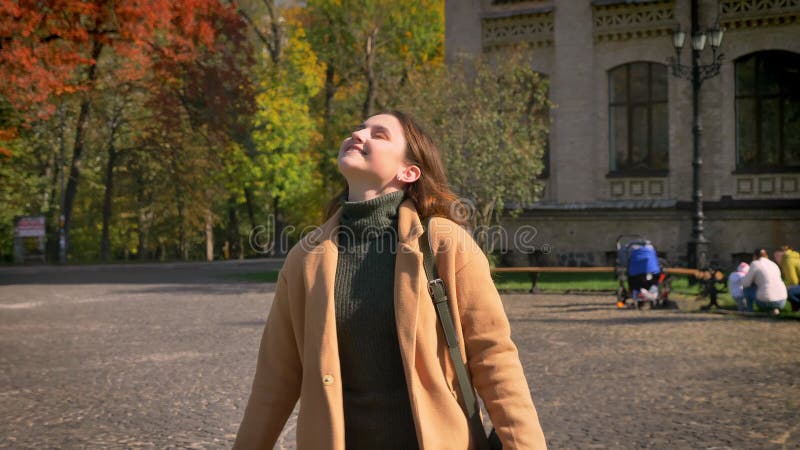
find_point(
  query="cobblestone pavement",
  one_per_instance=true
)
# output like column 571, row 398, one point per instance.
column 163, row 357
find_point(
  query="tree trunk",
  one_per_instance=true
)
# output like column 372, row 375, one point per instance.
column 209, row 237
column 276, row 33
column 330, row 91
column 105, row 240
column 277, row 247
column 52, row 214
column 483, row 219
column 233, row 228
column 144, row 233
column 369, row 101
column 181, row 227
column 77, row 149
column 143, row 219
column 248, row 196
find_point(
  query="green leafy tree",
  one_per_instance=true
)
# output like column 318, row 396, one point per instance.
column 370, row 49
column 490, row 116
column 285, row 130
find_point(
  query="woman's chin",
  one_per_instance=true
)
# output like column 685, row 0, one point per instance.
column 351, row 164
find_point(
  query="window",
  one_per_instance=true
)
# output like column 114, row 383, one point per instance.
column 768, row 111
column 638, row 122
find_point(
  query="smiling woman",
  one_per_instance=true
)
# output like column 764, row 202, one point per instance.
column 354, row 334
column 373, row 159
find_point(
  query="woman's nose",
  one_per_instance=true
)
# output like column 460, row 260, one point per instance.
column 359, row 135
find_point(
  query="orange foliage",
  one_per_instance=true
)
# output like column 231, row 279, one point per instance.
column 46, row 45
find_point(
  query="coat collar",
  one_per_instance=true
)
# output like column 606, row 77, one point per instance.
column 409, row 226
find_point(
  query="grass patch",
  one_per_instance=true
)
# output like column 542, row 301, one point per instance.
column 681, row 287
column 557, row 282
column 561, row 283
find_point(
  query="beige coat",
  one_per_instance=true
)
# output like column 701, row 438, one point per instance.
column 298, row 355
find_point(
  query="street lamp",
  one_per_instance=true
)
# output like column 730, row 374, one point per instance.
column 697, row 73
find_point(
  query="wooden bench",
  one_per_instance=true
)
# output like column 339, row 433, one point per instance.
column 672, row 270
column 707, row 285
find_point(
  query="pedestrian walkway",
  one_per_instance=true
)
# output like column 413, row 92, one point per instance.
column 165, row 357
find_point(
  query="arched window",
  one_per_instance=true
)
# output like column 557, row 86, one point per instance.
column 768, row 110
column 638, row 122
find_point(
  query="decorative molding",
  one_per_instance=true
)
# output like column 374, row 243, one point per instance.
column 758, row 13
column 617, row 188
column 637, row 188
column 656, row 187
column 788, row 185
column 621, row 21
column 767, row 186
column 744, row 186
column 533, row 26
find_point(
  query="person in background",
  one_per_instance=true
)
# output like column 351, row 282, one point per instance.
column 770, row 294
column 736, row 289
column 790, row 269
column 777, row 255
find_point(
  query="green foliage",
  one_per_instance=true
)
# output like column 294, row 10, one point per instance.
column 251, row 118
column 284, row 129
column 370, row 49
column 490, row 115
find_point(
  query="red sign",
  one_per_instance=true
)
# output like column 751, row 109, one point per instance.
column 30, row 226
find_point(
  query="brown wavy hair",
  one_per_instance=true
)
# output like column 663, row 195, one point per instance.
column 431, row 193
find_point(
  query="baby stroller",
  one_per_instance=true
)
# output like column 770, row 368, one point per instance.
column 639, row 266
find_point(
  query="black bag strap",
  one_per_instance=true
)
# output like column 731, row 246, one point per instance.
column 439, row 295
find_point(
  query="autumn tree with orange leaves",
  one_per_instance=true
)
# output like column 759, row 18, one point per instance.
column 172, row 130
column 51, row 53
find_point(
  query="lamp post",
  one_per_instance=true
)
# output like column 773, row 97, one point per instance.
column 697, row 73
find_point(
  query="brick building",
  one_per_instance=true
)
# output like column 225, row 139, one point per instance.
column 621, row 141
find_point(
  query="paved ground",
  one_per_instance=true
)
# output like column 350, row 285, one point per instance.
column 163, row 356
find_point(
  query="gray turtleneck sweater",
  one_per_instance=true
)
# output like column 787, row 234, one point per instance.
column 377, row 409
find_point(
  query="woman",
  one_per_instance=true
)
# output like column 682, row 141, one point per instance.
column 353, row 332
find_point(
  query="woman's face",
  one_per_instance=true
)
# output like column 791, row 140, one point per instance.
column 373, row 156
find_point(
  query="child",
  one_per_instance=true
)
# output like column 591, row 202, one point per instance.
column 735, row 286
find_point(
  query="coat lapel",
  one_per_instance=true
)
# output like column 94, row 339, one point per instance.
column 408, row 276
column 408, row 280
column 320, row 323
column 321, row 272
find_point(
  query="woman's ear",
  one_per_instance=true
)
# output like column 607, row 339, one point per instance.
column 409, row 174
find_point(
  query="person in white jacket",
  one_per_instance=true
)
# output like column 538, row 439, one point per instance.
column 770, row 293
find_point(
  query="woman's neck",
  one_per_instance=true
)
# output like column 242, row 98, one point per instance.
column 358, row 195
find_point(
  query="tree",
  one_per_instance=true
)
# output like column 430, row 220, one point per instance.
column 284, row 129
column 490, row 115
column 370, row 48
column 50, row 49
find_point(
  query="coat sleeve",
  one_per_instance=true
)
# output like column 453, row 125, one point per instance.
column 276, row 385
column 493, row 359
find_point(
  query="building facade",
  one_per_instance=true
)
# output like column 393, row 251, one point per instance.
column 621, row 141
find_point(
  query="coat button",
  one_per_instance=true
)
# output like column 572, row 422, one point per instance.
column 327, row 380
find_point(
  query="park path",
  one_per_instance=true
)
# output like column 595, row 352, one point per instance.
column 158, row 356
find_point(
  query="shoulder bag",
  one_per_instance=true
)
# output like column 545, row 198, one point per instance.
column 439, row 295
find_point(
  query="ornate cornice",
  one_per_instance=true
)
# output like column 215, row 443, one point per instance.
column 758, row 13
column 533, row 26
column 623, row 20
